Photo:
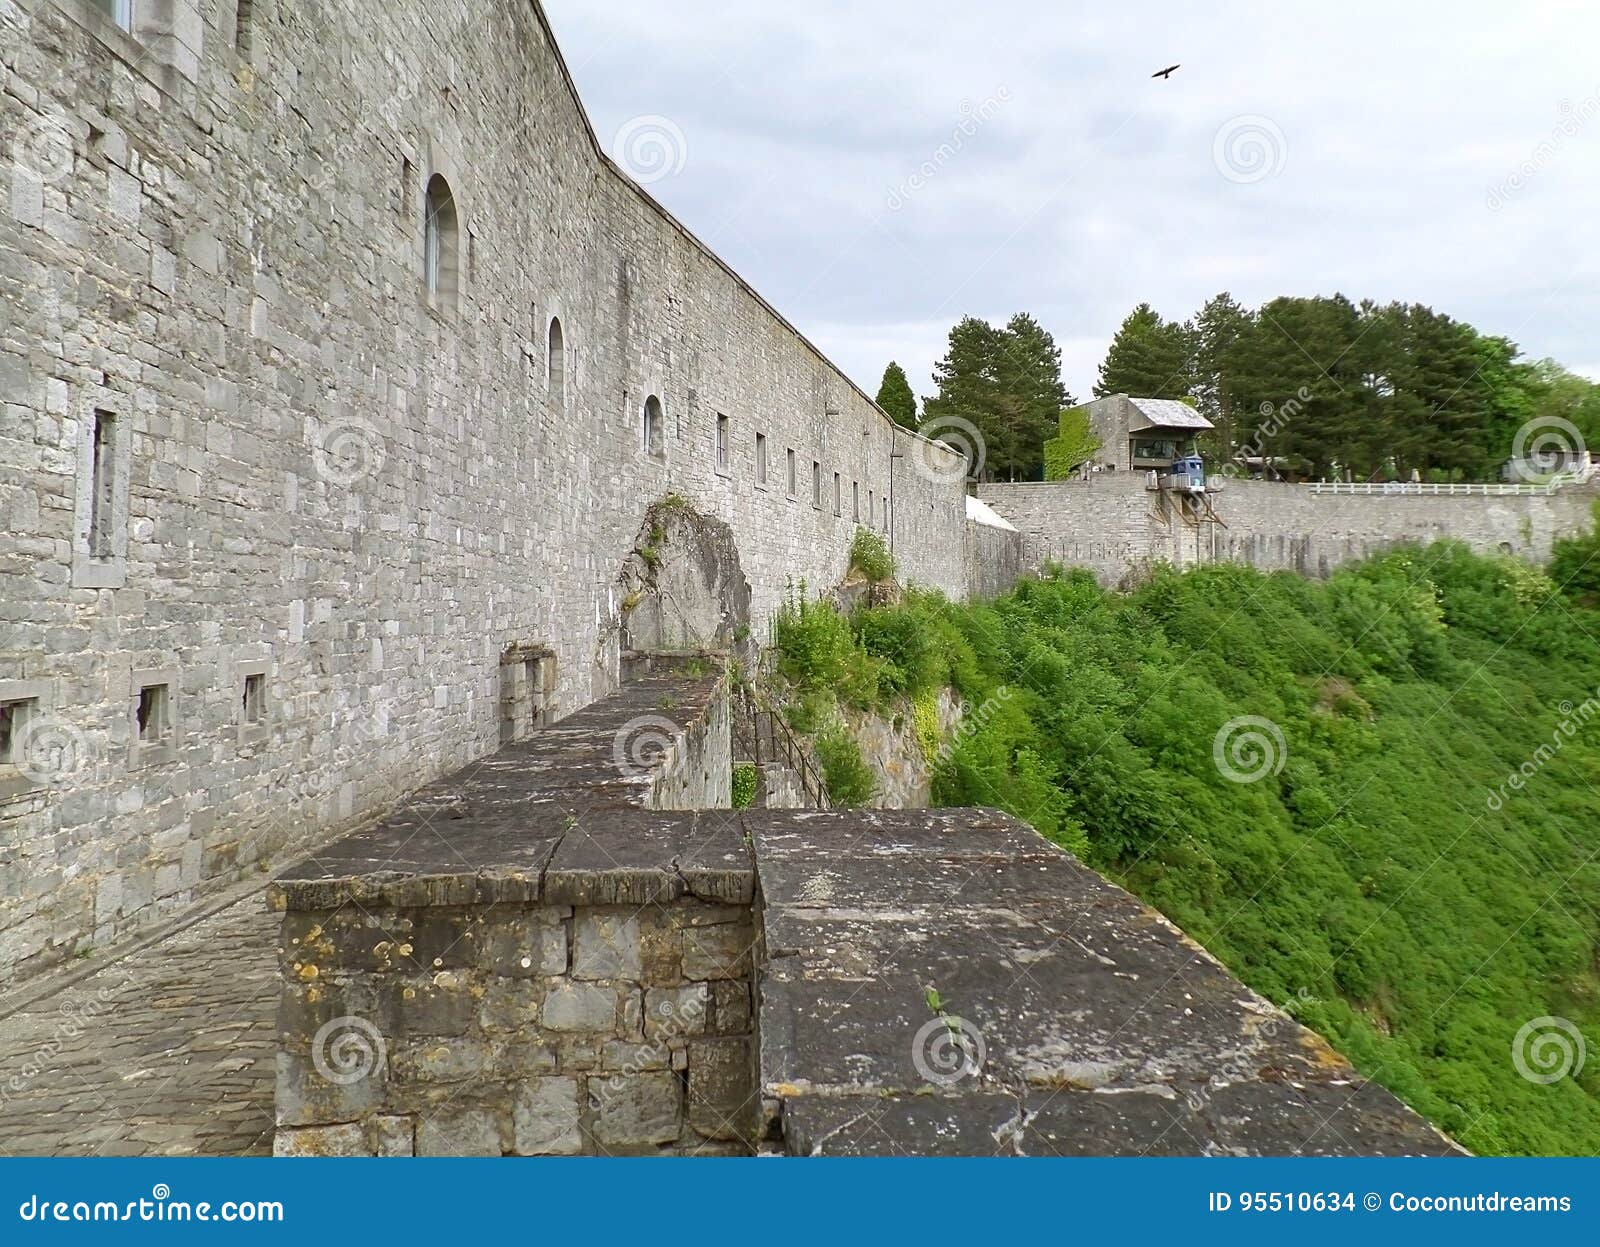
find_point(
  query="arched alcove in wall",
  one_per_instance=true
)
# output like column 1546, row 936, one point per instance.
column 682, row 588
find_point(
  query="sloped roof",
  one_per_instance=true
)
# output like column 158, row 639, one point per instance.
column 982, row 513
column 1165, row 413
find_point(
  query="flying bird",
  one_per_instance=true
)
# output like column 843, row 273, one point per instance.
column 1165, row 73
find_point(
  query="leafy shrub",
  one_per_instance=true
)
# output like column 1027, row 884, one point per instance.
column 744, row 785
column 849, row 779
column 870, row 556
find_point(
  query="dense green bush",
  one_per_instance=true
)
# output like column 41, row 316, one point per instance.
column 870, row 556
column 1388, row 882
column 848, row 777
column 744, row 785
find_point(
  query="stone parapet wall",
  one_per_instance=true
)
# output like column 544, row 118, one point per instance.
column 1112, row 524
column 548, row 1025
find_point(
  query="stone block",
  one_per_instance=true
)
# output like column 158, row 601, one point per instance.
column 634, row 1110
column 459, row 1132
column 394, row 1136
column 510, row 1005
column 606, row 946
column 528, row 946
column 722, row 1088
column 443, row 1060
column 730, row 1007
column 547, row 1118
column 349, row 1139
column 580, row 1007
column 675, row 1012
column 720, row 952
column 313, row 1092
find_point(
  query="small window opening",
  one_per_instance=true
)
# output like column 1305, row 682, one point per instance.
column 242, row 26
column 761, row 458
column 254, row 702
column 439, row 240
column 154, row 713
column 793, row 475
column 103, row 486
column 836, row 493
column 722, row 443
column 557, row 373
column 13, row 718
column 654, row 431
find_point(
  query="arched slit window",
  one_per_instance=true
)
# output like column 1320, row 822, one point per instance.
column 654, row 431
column 557, row 373
column 439, row 230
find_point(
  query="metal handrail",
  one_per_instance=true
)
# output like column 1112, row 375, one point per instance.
column 781, row 745
column 1458, row 489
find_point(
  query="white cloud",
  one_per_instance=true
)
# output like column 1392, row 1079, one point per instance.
column 1093, row 188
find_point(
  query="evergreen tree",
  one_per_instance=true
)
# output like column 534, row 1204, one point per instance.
column 1006, row 383
column 896, row 398
column 1222, row 330
column 1149, row 358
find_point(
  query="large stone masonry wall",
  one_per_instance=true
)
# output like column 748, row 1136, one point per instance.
column 1111, row 524
column 324, row 478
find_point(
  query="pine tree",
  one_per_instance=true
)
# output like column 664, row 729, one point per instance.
column 1221, row 332
column 1006, row 383
column 896, row 398
column 1149, row 358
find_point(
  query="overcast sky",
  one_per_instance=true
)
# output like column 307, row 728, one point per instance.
column 1446, row 154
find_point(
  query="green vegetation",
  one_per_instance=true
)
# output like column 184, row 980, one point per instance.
column 744, row 785
column 896, row 398
column 1073, row 445
column 1006, row 383
column 1390, row 882
column 849, row 779
column 1405, row 388
column 870, row 556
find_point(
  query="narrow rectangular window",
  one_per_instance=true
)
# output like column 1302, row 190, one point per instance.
column 722, row 443
column 793, row 481
column 13, row 718
column 855, row 501
column 103, row 463
column 886, row 515
column 119, row 11
column 254, row 702
column 241, row 26
column 154, row 713
column 872, row 508
column 761, row 458
column 816, row 483
column 836, row 493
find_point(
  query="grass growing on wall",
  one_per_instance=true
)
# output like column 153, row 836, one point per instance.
column 744, row 785
column 1384, row 875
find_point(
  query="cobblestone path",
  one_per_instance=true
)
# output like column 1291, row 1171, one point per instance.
column 169, row 1051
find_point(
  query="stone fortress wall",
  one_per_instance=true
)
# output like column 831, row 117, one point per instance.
column 330, row 502
column 287, row 536
column 1112, row 524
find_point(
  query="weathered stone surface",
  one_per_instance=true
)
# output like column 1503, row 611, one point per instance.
column 459, row 1132
column 722, row 1096
column 606, row 946
column 582, row 1007
column 344, row 1140
column 721, row 952
column 547, row 1118
column 1005, row 929
column 635, row 1110
column 394, row 1136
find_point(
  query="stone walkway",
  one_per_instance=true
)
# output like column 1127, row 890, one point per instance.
column 168, row 1051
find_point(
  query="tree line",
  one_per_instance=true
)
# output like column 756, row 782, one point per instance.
column 1313, row 387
